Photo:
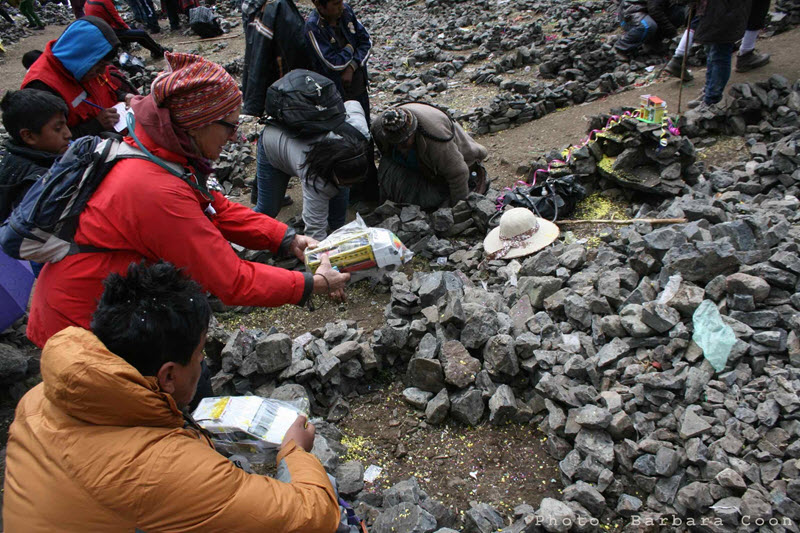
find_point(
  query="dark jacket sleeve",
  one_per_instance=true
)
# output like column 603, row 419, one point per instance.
column 260, row 54
column 721, row 21
column 331, row 57
column 363, row 46
column 657, row 9
column 16, row 177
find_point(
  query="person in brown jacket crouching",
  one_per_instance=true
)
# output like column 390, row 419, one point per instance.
column 102, row 444
column 427, row 159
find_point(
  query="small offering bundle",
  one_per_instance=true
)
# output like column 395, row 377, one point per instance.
column 245, row 424
column 355, row 246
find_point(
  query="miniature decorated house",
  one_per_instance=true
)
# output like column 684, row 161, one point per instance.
column 652, row 108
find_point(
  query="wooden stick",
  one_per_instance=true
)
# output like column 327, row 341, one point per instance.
column 211, row 39
column 626, row 221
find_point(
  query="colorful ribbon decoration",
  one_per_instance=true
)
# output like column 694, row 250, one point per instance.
column 667, row 128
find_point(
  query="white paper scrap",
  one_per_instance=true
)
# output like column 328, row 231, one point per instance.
column 371, row 473
column 123, row 111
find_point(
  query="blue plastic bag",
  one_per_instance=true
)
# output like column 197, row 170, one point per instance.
column 712, row 335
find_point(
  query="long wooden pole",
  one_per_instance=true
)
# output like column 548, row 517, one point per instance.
column 625, row 221
column 211, row 39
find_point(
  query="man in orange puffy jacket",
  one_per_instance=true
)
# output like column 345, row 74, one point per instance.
column 102, row 445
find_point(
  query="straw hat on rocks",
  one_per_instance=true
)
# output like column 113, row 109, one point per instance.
column 520, row 233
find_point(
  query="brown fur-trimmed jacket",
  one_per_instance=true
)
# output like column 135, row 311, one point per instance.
column 443, row 162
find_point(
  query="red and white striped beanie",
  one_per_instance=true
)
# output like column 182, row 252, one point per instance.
column 196, row 91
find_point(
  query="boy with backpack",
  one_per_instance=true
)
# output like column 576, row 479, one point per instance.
column 340, row 47
column 37, row 123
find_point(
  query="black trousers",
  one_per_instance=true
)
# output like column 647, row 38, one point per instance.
column 5, row 15
column 758, row 15
column 173, row 10
column 141, row 37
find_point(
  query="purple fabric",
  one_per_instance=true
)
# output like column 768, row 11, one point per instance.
column 15, row 289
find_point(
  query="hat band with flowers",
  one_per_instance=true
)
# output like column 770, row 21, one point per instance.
column 520, row 233
column 510, row 243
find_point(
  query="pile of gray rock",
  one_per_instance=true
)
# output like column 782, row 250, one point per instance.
column 49, row 14
column 594, row 344
column 231, row 167
column 768, row 108
column 19, row 362
column 786, row 13
column 635, row 154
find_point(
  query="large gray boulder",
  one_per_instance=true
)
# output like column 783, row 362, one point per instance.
column 467, row 406
column 405, row 516
column 425, row 374
column 500, row 358
column 274, row 353
column 459, row 367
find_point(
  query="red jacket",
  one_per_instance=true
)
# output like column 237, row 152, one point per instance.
column 105, row 10
column 147, row 213
column 101, row 91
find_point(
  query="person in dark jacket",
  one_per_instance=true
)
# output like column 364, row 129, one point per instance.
column 722, row 23
column 77, row 8
column 648, row 22
column 340, row 48
column 144, row 12
column 274, row 45
column 37, row 123
column 76, row 67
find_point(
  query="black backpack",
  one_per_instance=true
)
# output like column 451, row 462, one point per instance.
column 204, row 22
column 553, row 199
column 306, row 103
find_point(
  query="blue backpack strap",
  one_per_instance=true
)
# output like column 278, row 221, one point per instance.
column 185, row 176
column 352, row 518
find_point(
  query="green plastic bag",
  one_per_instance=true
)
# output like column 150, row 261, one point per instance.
column 714, row 336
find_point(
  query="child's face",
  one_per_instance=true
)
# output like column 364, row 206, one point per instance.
column 53, row 138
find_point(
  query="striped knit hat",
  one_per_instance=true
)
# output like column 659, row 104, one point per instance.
column 197, row 92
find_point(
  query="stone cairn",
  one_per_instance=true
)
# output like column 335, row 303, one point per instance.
column 595, row 346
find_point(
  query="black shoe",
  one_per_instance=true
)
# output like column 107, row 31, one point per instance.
column 751, row 60
column 154, row 28
column 673, row 68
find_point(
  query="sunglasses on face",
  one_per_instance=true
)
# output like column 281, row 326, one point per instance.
column 233, row 127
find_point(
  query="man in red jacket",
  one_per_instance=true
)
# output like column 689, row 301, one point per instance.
column 75, row 67
column 105, row 10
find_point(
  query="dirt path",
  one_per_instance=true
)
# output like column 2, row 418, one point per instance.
column 11, row 70
column 511, row 148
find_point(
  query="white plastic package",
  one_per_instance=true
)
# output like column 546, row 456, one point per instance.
column 355, row 247
column 249, row 425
